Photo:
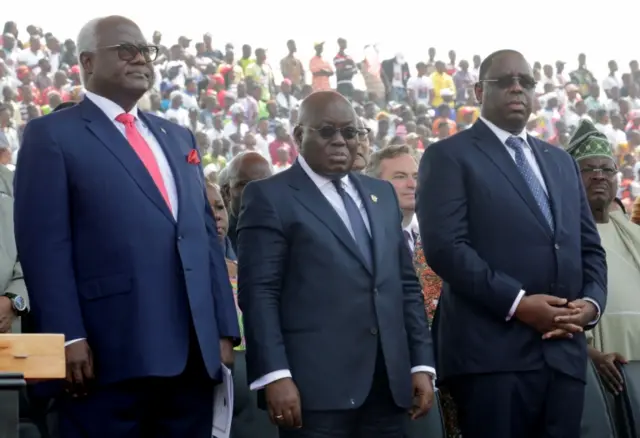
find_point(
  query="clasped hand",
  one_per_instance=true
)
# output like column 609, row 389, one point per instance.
column 555, row 317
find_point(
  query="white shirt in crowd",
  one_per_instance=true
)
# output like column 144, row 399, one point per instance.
column 420, row 86
column 611, row 81
column 232, row 128
column 329, row 191
column 262, row 145
column 180, row 115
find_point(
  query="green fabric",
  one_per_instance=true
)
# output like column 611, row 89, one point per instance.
column 588, row 142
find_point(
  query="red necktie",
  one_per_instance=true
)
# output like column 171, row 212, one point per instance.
column 141, row 147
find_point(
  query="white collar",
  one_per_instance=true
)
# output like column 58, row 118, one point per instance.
column 109, row 107
column 503, row 135
column 319, row 180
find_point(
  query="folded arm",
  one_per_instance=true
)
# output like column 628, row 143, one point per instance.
column 262, row 253
column 43, row 233
column 443, row 218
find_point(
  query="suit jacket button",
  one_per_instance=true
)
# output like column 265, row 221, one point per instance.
column 179, row 237
column 375, row 291
column 374, row 331
column 352, row 401
column 556, row 246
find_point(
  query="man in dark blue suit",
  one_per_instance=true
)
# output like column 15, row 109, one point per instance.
column 120, row 252
column 506, row 224
column 334, row 318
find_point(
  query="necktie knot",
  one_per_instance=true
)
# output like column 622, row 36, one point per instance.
column 126, row 119
column 337, row 183
column 515, row 142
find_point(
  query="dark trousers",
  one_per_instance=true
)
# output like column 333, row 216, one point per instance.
column 532, row 404
column 248, row 420
column 346, row 89
column 158, row 407
column 378, row 417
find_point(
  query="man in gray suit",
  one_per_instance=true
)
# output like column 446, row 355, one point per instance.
column 14, row 301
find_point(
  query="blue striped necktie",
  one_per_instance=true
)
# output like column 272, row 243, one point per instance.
column 517, row 144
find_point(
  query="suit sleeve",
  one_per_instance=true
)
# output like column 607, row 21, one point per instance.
column 442, row 211
column 43, row 233
column 262, row 253
column 594, row 260
column 415, row 316
column 226, row 314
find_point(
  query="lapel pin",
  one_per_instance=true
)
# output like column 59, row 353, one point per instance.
column 163, row 131
column 374, row 198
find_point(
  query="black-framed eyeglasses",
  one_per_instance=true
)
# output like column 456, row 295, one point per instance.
column 328, row 132
column 128, row 52
column 504, row 82
column 604, row 171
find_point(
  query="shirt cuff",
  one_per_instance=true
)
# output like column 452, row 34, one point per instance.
column 595, row 321
column 73, row 341
column 424, row 369
column 515, row 304
column 269, row 378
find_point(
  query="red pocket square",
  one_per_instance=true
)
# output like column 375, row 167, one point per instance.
column 193, row 157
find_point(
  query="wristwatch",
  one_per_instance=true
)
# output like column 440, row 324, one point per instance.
column 19, row 304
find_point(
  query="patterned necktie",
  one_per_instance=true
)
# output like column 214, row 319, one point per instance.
column 360, row 232
column 144, row 152
column 517, row 143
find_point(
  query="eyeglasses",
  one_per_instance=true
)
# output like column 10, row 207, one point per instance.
column 328, row 132
column 604, row 171
column 128, row 52
column 504, row 82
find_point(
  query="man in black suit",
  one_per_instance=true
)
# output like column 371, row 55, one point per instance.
column 334, row 318
column 506, row 224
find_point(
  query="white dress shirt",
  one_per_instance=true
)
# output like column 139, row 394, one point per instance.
column 503, row 136
column 113, row 110
column 329, row 191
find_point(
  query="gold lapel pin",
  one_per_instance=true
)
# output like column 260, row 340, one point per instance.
column 374, row 198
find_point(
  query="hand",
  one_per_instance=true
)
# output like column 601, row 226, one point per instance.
column 283, row 403
column 7, row 314
column 540, row 312
column 226, row 352
column 609, row 373
column 422, row 395
column 585, row 313
column 79, row 367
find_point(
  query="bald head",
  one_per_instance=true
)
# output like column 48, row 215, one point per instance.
column 316, row 102
column 243, row 160
column 245, row 167
column 327, row 133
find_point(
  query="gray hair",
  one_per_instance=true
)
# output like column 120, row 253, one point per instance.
column 223, row 177
column 87, row 41
column 393, row 151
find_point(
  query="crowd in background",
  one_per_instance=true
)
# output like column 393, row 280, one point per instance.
column 235, row 99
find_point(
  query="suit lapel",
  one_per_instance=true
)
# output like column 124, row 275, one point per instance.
column 492, row 147
column 377, row 231
column 308, row 194
column 104, row 130
column 550, row 172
